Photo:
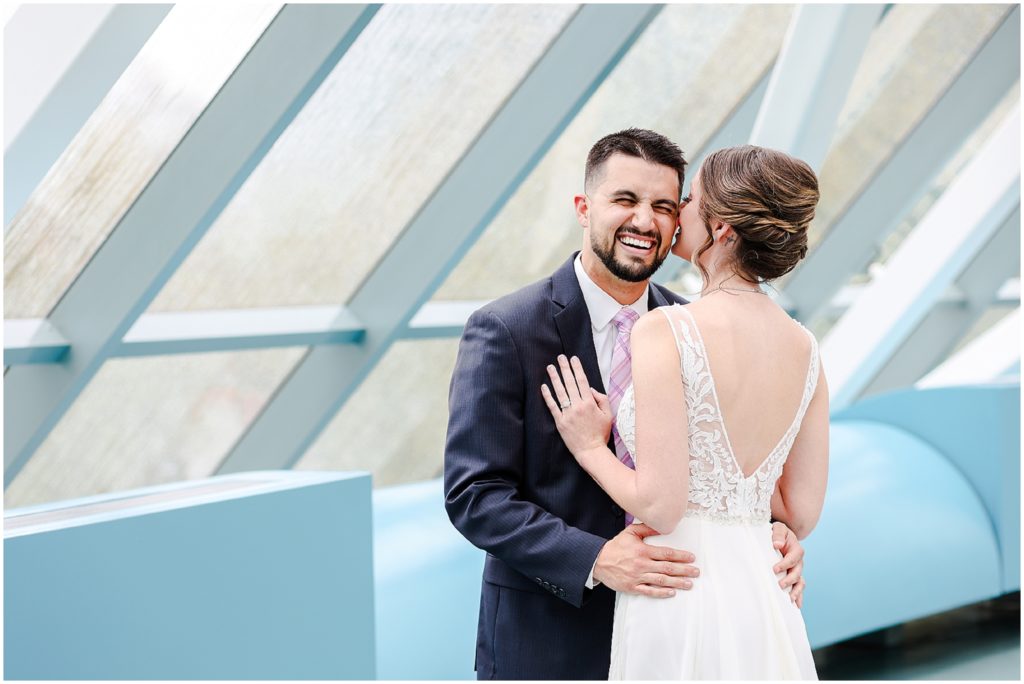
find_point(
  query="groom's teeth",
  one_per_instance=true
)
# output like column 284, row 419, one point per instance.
column 634, row 242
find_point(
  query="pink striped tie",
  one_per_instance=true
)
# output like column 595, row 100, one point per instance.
column 619, row 379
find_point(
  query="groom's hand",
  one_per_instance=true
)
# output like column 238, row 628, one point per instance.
column 792, row 562
column 629, row 565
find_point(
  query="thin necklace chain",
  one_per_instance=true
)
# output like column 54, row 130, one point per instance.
column 731, row 289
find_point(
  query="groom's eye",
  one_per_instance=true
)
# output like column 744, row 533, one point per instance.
column 685, row 200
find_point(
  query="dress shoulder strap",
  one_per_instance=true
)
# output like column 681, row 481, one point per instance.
column 673, row 323
column 811, row 382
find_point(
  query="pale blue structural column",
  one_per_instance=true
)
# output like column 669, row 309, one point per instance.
column 73, row 99
column 811, row 78
column 236, row 130
column 461, row 207
column 978, row 202
column 907, row 175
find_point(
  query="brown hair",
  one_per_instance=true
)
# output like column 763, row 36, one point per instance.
column 768, row 197
column 635, row 142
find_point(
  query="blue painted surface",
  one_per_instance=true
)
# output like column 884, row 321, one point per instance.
column 269, row 582
column 427, row 586
column 919, row 518
column 906, row 532
column 978, row 429
column 902, row 535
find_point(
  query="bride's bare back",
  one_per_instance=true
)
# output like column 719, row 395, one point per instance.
column 759, row 359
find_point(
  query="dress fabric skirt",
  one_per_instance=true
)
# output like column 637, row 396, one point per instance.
column 735, row 623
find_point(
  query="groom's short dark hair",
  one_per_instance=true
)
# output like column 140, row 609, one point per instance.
column 635, row 142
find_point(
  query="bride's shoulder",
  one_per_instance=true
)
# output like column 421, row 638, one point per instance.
column 656, row 324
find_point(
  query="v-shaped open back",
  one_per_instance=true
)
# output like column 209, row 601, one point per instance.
column 718, row 487
column 810, row 382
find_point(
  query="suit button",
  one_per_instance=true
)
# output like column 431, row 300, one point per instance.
column 616, row 510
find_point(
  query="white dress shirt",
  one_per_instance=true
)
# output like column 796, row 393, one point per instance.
column 602, row 308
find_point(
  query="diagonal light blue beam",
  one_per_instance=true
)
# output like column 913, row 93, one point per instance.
column 464, row 203
column 980, row 200
column 945, row 325
column 812, row 76
column 908, row 173
column 236, row 130
column 73, row 99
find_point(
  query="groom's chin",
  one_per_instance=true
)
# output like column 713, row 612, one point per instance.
column 636, row 271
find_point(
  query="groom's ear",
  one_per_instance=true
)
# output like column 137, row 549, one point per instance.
column 582, row 210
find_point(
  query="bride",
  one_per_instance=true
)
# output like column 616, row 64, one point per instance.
column 727, row 422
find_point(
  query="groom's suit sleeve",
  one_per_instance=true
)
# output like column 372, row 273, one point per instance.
column 484, row 466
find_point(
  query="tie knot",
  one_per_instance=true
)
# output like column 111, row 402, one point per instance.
column 625, row 319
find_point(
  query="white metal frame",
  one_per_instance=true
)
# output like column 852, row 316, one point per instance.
column 982, row 197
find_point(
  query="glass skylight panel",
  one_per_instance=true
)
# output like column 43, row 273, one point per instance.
column 365, row 153
column 682, row 77
column 394, row 424
column 150, row 420
column 913, row 55
column 947, row 175
column 888, row 246
column 120, row 148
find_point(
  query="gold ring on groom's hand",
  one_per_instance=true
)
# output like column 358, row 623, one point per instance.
column 565, row 406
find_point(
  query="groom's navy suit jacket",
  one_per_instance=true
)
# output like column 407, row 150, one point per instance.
column 513, row 489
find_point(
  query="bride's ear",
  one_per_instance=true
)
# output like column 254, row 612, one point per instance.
column 724, row 233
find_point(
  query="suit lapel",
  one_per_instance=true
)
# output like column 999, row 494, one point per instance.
column 573, row 321
column 655, row 298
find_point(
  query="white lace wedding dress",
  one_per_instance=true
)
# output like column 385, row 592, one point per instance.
column 736, row 622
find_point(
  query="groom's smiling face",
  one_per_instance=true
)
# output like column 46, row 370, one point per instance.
column 628, row 214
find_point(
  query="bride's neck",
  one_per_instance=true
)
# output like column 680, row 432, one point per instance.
column 724, row 279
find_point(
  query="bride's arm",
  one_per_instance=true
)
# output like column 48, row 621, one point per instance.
column 800, row 492
column 657, row 491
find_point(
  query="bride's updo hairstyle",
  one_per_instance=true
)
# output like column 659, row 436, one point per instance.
column 768, row 197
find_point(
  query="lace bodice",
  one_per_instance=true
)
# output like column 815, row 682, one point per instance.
column 717, row 486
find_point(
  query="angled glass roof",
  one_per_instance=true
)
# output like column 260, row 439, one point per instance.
column 682, row 77
column 913, row 55
column 945, row 177
column 363, row 155
column 395, row 423
column 131, row 133
column 891, row 242
column 150, row 420
column 370, row 147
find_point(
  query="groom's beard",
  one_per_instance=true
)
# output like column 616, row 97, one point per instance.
column 630, row 271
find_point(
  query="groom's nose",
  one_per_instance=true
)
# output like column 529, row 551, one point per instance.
column 643, row 216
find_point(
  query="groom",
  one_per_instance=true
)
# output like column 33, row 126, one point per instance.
column 557, row 546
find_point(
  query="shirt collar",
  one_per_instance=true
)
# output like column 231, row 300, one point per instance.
column 601, row 305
